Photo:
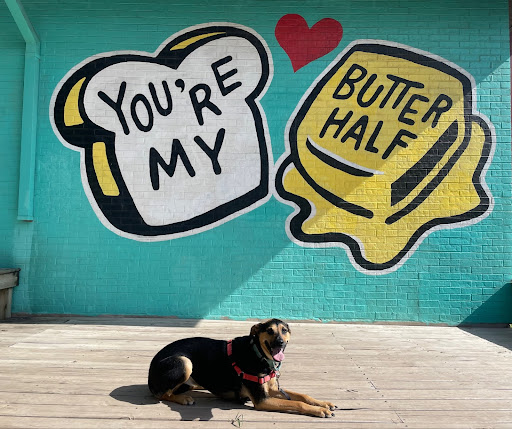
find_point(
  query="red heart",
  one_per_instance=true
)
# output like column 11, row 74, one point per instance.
column 303, row 44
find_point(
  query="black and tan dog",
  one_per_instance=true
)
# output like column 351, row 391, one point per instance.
column 244, row 368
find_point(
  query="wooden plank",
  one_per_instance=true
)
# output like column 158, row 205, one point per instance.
column 127, row 396
column 76, row 385
column 481, row 394
column 19, row 422
column 139, row 395
column 464, row 418
column 175, row 412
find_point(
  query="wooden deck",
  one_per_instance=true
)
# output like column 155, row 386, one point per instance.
column 91, row 373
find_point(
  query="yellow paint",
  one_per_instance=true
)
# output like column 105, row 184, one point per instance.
column 103, row 173
column 455, row 195
column 192, row 40
column 71, row 112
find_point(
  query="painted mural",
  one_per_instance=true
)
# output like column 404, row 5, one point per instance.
column 172, row 143
column 303, row 44
column 384, row 147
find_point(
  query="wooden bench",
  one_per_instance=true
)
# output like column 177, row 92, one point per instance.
column 9, row 278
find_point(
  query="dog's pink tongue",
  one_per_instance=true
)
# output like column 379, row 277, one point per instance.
column 279, row 356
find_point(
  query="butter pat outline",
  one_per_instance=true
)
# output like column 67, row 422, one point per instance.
column 305, row 210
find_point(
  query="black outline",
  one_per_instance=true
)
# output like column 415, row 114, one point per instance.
column 121, row 211
column 297, row 219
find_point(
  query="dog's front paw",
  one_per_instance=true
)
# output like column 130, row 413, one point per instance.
column 324, row 412
column 329, row 405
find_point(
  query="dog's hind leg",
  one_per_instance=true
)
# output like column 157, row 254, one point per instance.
column 178, row 373
column 189, row 385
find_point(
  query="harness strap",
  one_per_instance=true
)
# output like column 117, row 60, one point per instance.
column 245, row 376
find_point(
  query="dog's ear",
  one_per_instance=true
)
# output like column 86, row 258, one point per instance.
column 255, row 330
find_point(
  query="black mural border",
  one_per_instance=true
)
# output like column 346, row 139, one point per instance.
column 298, row 219
column 120, row 211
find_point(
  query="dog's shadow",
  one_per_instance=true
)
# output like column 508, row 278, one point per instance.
column 139, row 394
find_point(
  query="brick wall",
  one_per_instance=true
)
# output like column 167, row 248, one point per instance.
column 11, row 87
column 88, row 252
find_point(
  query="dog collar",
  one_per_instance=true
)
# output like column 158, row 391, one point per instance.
column 244, row 375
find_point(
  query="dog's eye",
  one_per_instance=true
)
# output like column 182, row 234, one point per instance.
column 270, row 331
column 284, row 331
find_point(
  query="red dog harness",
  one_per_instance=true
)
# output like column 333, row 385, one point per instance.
column 245, row 376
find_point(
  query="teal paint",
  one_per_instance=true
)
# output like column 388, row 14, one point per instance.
column 248, row 267
column 30, row 106
column 12, row 48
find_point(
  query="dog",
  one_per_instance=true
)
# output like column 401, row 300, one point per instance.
column 245, row 368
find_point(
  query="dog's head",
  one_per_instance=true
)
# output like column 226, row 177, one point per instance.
column 272, row 337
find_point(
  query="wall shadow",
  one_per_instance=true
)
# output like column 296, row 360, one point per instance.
column 500, row 336
column 496, row 310
column 492, row 320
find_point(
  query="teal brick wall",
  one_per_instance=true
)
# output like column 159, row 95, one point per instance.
column 12, row 59
column 248, row 267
